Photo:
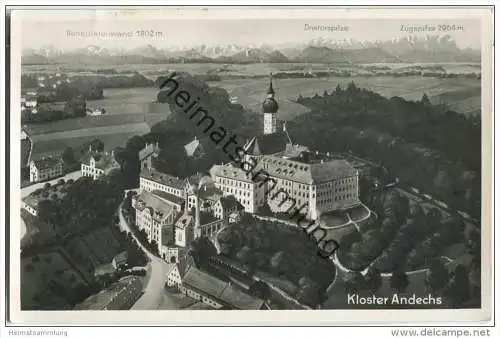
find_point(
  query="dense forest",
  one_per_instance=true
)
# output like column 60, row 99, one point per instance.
column 427, row 146
column 281, row 251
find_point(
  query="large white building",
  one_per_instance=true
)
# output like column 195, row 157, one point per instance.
column 320, row 187
column 45, row 168
column 151, row 179
column 96, row 164
column 152, row 215
column 235, row 181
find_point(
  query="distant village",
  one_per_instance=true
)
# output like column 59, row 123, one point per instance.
column 43, row 97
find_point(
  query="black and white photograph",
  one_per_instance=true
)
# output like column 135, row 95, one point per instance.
column 251, row 159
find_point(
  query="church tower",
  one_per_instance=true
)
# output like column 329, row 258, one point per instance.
column 270, row 108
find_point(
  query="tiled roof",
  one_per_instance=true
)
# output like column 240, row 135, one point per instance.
column 169, row 197
column 307, row 173
column 192, row 146
column 267, row 144
column 47, row 162
column 194, row 180
column 207, row 218
column 294, row 150
column 148, row 150
column 210, row 193
column 103, row 161
column 162, row 178
column 101, row 300
column 157, row 204
column 229, row 171
column 220, row 290
column 183, row 264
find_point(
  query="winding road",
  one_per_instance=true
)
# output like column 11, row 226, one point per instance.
column 154, row 292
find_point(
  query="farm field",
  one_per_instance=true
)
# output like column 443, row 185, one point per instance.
column 57, row 146
column 126, row 100
column 245, row 69
column 134, row 128
column 89, row 122
column 251, row 91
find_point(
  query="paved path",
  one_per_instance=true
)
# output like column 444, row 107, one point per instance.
column 30, row 188
column 154, row 293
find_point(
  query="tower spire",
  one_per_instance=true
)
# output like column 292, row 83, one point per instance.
column 270, row 91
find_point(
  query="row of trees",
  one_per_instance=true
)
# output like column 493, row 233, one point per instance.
column 48, row 112
column 403, row 236
column 453, row 286
column 422, row 144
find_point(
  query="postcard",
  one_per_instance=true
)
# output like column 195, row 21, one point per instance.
column 250, row 165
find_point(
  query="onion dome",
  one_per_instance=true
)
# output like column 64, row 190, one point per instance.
column 270, row 105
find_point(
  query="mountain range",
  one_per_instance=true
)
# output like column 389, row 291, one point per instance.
column 410, row 49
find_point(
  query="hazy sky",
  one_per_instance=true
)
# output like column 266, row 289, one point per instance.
column 43, row 27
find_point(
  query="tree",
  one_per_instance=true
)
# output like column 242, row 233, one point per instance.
column 351, row 87
column 261, row 290
column 338, row 90
column 458, row 288
column 437, row 276
column 279, row 262
column 399, row 280
column 425, row 100
column 201, row 250
column 308, row 295
column 244, row 255
column 354, row 282
column 135, row 143
column 374, row 279
column 76, row 106
column 96, row 145
column 68, row 156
